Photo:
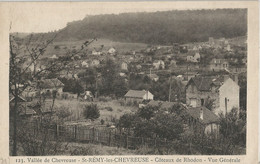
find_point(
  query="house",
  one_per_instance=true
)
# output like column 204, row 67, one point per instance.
column 197, row 118
column 111, row 51
column 228, row 48
column 221, row 91
column 173, row 64
column 94, row 52
column 54, row 57
column 124, row 66
column 138, row 95
column 204, row 119
column 153, row 77
column 84, row 64
column 50, row 85
column 159, row 64
column 218, row 64
column 95, row 63
column 193, row 58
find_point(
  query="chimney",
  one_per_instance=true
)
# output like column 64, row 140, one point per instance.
column 235, row 78
column 226, row 77
column 201, row 113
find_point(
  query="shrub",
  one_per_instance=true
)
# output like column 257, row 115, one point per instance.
column 102, row 122
column 56, row 47
column 91, row 112
column 63, row 112
column 109, row 108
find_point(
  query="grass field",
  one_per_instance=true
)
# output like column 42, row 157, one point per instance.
column 76, row 107
column 119, row 46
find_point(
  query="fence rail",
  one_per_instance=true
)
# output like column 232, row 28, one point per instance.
column 110, row 137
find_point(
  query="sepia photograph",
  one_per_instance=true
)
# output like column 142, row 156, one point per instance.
column 151, row 81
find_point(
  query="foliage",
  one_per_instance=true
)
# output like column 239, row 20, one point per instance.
column 91, row 112
column 178, row 26
column 242, row 82
column 72, row 85
column 233, row 128
column 150, row 122
column 63, row 112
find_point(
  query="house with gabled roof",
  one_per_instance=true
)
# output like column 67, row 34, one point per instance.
column 50, row 85
column 197, row 118
column 138, row 95
column 222, row 92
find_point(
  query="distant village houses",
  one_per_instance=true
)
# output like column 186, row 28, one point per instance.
column 218, row 64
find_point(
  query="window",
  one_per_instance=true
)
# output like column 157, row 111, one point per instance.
column 193, row 102
column 202, row 102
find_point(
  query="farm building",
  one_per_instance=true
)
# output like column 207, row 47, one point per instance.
column 138, row 95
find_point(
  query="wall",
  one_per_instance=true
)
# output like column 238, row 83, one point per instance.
column 198, row 95
column 230, row 90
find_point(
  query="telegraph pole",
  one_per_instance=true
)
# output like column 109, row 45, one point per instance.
column 170, row 87
column 226, row 100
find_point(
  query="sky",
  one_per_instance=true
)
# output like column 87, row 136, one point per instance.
column 49, row 16
column 26, row 18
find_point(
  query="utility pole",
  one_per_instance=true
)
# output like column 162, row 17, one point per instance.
column 170, row 88
column 96, row 86
column 226, row 100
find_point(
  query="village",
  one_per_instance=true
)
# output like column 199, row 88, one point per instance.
column 203, row 79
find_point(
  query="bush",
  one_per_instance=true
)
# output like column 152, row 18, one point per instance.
column 102, row 122
column 109, row 109
column 56, row 47
column 104, row 99
column 63, row 112
column 121, row 102
column 91, row 112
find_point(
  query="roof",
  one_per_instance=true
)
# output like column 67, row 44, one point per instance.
column 208, row 116
column 136, row 93
column 51, row 83
column 204, row 83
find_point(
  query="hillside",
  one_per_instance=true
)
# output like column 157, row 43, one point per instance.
column 160, row 27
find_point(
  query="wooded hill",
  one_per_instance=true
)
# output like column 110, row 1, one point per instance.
column 167, row 27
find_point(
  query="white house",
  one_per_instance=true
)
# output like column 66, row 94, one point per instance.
column 85, row 64
column 158, row 64
column 124, row 66
column 95, row 62
column 112, row 51
column 138, row 95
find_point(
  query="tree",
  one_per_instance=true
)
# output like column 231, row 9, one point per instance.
column 109, row 75
column 233, row 130
column 147, row 112
column 63, row 112
column 24, row 60
column 91, row 112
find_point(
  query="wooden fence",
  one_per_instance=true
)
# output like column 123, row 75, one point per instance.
column 113, row 137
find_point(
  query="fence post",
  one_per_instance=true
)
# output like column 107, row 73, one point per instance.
column 126, row 141
column 155, row 142
column 75, row 132
column 109, row 138
column 142, row 141
column 57, row 131
column 93, row 134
